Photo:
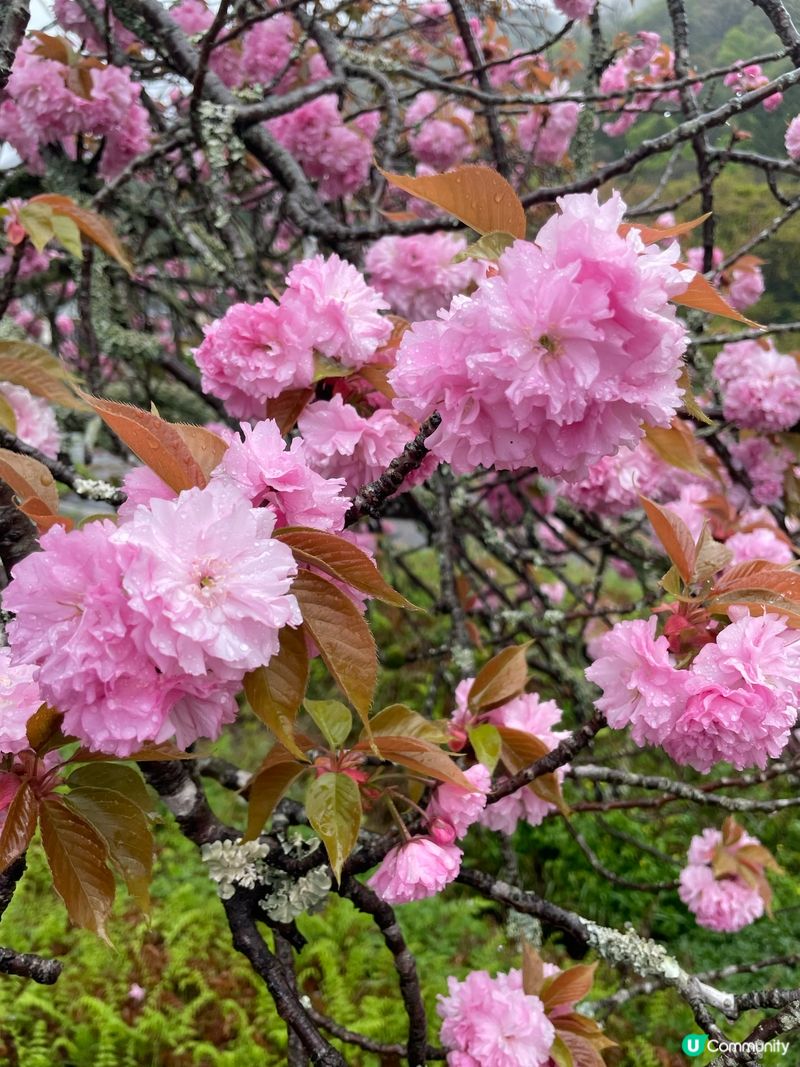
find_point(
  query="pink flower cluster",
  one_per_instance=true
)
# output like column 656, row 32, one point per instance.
column 614, row 484
column 725, row 904
column 766, row 463
column 144, row 631
column 493, row 1022
column 439, row 134
column 417, row 274
column 737, row 702
column 559, row 382
column 423, row 866
column 35, row 419
column 267, row 472
column 529, row 714
column 576, row 9
column 257, row 351
column 546, row 131
column 792, row 139
column 44, row 106
column 336, row 155
column 742, row 284
column 645, row 63
column 261, row 466
column 752, row 77
column 418, row 869
column 760, row 387
column 19, row 700
column 341, row 443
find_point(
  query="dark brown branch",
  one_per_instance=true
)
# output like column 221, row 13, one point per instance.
column 62, row 472
column 370, row 903
column 561, row 754
column 475, row 55
column 371, row 497
column 248, row 941
column 13, row 23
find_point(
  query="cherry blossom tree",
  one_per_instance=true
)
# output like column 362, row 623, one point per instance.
column 293, row 294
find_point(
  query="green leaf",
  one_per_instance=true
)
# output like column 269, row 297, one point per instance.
column 500, row 680
column 77, row 855
column 276, row 692
column 8, row 420
column 487, row 743
column 68, row 234
column 329, row 368
column 117, row 776
column 333, row 718
column 19, row 827
column 37, row 220
column 491, row 246
column 560, row 1053
column 124, row 827
column 402, row 721
column 333, row 806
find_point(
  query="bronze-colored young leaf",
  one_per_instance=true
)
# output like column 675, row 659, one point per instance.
column 500, row 680
column 520, row 749
column 157, row 443
column 419, row 756
column 583, row 1052
column 674, row 535
column 19, row 826
column 40, row 380
column 78, row 858
column 398, row 719
column 568, row 987
column 333, row 806
column 702, row 296
column 547, row 787
column 275, row 692
column 710, row 557
column 678, row 446
column 268, row 785
column 532, row 970
column 690, row 400
column 478, row 196
column 340, row 559
column 125, row 828
column 206, row 447
column 120, row 777
column 287, row 408
column 43, row 730
column 93, row 226
column 342, row 636
column 486, row 743
column 652, row 234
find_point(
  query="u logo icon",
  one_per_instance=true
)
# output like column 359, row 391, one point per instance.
column 694, row 1044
